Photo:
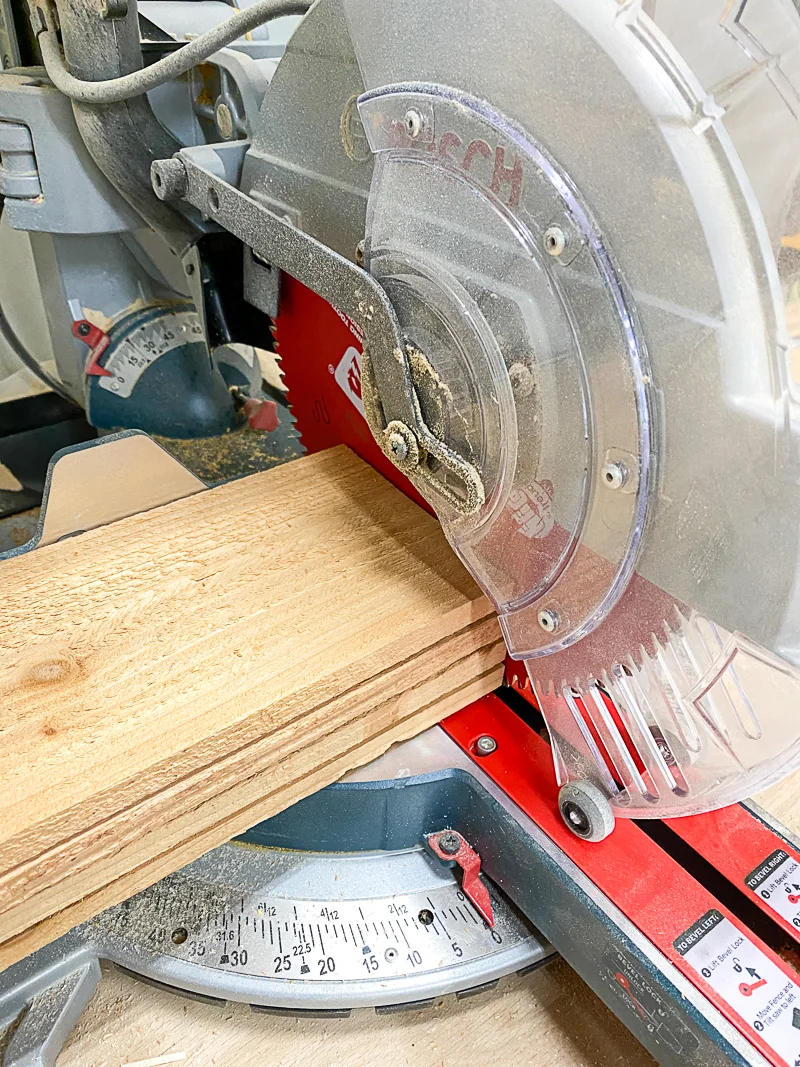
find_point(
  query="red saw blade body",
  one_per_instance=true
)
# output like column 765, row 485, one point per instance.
column 320, row 355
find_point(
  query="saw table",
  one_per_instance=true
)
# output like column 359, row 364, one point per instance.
column 548, row 1018
column 437, row 871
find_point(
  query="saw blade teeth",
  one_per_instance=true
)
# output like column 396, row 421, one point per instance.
column 275, row 356
column 578, row 674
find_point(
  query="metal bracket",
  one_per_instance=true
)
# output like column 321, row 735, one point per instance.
column 35, row 1037
column 207, row 177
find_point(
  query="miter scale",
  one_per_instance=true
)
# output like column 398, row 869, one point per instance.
column 309, row 929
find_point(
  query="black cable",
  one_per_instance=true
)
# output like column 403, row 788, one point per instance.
column 28, row 360
column 22, row 353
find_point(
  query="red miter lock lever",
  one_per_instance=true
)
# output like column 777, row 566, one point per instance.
column 626, row 985
column 450, row 846
column 97, row 341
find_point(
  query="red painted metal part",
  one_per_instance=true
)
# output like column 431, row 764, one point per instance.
column 653, row 891
column 737, row 843
column 261, row 414
column 470, row 863
column 733, row 840
column 320, row 353
column 97, row 341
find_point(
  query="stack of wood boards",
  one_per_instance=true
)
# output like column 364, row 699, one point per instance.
column 172, row 678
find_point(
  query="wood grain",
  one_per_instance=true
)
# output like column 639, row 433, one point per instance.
column 172, row 678
column 782, row 800
column 548, row 1019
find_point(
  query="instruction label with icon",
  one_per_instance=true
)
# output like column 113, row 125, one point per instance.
column 746, row 979
column 777, row 882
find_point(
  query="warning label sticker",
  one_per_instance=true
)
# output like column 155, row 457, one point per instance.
column 348, row 377
column 777, row 882
column 746, row 979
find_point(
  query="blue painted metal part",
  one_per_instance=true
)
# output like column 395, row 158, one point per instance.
column 183, row 393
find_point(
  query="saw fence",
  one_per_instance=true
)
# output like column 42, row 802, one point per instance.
column 172, row 678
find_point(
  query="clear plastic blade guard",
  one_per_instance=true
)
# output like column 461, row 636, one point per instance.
column 586, row 218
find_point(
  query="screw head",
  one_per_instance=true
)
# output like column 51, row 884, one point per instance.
column 548, row 620
column 449, row 842
column 426, row 917
column 522, row 381
column 576, row 817
column 485, row 745
column 401, row 445
column 398, row 446
column 413, row 123
column 615, row 475
column 84, row 329
column 555, row 240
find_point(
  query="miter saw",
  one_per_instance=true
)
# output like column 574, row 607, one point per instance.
column 538, row 263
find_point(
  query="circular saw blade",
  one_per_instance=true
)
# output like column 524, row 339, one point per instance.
column 580, row 233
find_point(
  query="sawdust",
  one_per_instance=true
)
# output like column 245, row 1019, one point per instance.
column 231, row 455
column 548, row 1018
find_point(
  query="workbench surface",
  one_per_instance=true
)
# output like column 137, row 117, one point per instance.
column 548, row 1019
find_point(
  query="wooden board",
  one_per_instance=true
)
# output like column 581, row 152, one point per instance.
column 170, row 679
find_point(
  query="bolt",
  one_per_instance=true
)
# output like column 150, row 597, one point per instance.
column 548, row 620
column 449, row 842
column 84, row 329
column 398, row 446
column 521, row 377
column 485, row 745
column 665, row 752
column 170, row 179
column 401, row 445
column 413, row 123
column 555, row 240
column 577, row 818
column 615, row 475
column 113, row 9
column 224, row 121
